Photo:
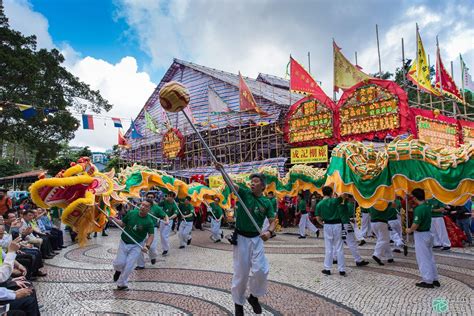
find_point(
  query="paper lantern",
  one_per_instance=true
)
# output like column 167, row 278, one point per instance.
column 174, row 97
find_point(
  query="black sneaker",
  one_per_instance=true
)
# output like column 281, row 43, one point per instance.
column 317, row 233
column 122, row 288
column 164, row 253
column 189, row 241
column 239, row 310
column 391, row 241
column 362, row 242
column 376, row 259
column 95, row 235
column 139, row 268
column 334, row 262
column 390, row 261
column 446, row 248
column 425, row 285
column 222, row 234
column 153, row 261
column 436, row 283
column 342, row 273
column 405, row 250
column 253, row 301
column 326, row 272
column 117, row 275
column 181, row 247
column 362, row 263
column 397, row 250
column 216, row 241
column 104, row 234
column 436, row 247
column 301, row 237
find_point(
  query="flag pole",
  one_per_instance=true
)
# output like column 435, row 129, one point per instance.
column 455, row 110
column 417, row 87
column 440, row 79
column 309, row 63
column 431, row 97
column 356, row 57
column 462, row 84
column 225, row 176
column 334, row 70
column 378, row 50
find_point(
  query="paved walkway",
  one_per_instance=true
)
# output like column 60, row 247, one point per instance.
column 196, row 280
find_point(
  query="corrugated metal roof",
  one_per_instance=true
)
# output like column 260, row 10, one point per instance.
column 274, row 81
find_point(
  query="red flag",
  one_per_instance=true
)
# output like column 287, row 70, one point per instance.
column 302, row 82
column 247, row 101
column 122, row 142
column 444, row 82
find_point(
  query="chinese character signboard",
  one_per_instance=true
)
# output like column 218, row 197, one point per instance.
column 373, row 108
column 467, row 131
column 173, row 144
column 436, row 132
column 309, row 122
column 312, row 154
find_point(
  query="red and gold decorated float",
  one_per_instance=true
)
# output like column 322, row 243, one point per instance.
column 436, row 129
column 373, row 108
column 466, row 131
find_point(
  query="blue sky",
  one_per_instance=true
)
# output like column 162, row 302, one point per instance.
column 123, row 47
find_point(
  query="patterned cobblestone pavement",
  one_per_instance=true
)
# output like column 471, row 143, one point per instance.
column 196, row 280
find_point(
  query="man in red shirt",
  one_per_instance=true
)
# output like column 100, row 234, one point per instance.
column 5, row 201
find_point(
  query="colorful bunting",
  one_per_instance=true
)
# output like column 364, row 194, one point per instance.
column 149, row 123
column 135, row 133
column 26, row 110
column 419, row 72
column 216, row 104
column 117, row 122
column 247, row 101
column 87, row 121
column 444, row 82
column 345, row 74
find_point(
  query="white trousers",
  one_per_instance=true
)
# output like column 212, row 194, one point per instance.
column 366, row 229
column 351, row 243
column 382, row 247
column 165, row 230
column 184, row 232
column 266, row 225
column 358, row 232
column 424, row 256
column 216, row 229
column 439, row 232
column 306, row 223
column 333, row 242
column 249, row 262
column 153, row 252
column 126, row 260
column 396, row 232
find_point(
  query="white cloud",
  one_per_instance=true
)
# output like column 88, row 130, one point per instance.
column 121, row 84
column 22, row 18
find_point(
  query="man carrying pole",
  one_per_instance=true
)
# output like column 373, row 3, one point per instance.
column 217, row 215
column 135, row 226
column 184, row 233
column 169, row 207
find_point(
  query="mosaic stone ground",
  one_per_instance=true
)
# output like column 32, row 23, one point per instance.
column 196, row 281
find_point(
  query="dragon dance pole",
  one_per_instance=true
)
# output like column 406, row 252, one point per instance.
column 128, row 202
column 118, row 226
column 209, row 207
column 225, row 176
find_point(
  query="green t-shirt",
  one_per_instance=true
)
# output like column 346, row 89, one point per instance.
column 346, row 211
column 302, row 206
column 259, row 207
column 422, row 217
column 216, row 210
column 328, row 210
column 379, row 216
column 157, row 211
column 136, row 226
column 274, row 202
column 169, row 208
column 435, row 204
column 55, row 212
column 391, row 213
column 364, row 210
column 187, row 209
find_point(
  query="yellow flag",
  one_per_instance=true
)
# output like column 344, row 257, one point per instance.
column 345, row 74
column 419, row 72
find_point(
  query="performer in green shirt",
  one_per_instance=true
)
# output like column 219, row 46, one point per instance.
column 379, row 224
column 186, row 226
column 327, row 214
column 138, row 225
column 423, row 241
column 169, row 207
column 305, row 221
column 395, row 223
column 438, row 227
column 217, row 215
column 249, row 254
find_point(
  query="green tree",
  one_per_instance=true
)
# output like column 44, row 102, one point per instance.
column 36, row 77
column 64, row 158
column 8, row 168
column 114, row 159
